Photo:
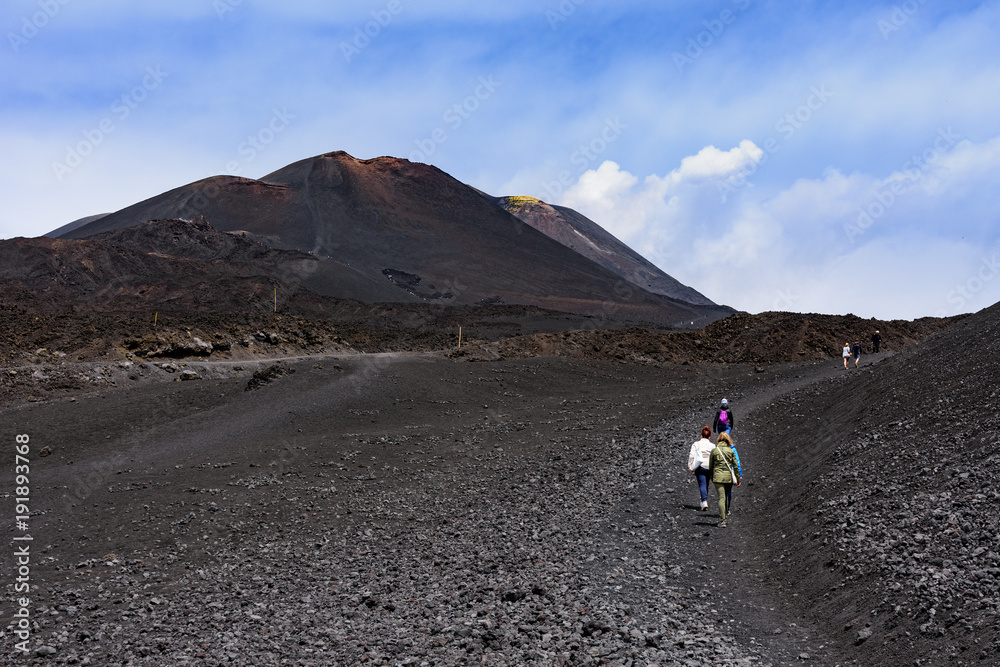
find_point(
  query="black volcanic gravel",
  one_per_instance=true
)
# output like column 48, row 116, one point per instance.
column 393, row 509
column 886, row 480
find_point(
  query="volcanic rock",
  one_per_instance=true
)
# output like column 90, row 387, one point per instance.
column 362, row 222
column 583, row 235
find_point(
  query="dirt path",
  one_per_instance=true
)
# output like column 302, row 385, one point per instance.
column 771, row 621
column 739, row 595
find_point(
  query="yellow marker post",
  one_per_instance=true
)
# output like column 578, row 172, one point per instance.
column 460, row 336
column 154, row 317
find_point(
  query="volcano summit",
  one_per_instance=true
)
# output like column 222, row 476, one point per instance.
column 390, row 230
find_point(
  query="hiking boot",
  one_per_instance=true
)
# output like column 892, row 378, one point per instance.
column 704, row 505
column 722, row 525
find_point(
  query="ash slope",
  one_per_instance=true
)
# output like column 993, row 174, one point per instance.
column 76, row 224
column 766, row 338
column 168, row 264
column 879, row 500
column 36, row 345
column 387, row 510
column 414, row 227
column 585, row 236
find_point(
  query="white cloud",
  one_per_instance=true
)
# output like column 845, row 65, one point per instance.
column 710, row 162
column 608, row 193
column 808, row 247
column 967, row 163
column 605, row 190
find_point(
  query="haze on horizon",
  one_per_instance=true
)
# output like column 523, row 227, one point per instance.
column 825, row 157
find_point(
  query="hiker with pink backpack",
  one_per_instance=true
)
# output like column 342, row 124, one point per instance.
column 723, row 423
column 723, row 419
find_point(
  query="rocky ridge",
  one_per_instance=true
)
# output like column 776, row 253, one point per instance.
column 892, row 499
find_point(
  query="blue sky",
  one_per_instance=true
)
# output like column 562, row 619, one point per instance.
column 825, row 157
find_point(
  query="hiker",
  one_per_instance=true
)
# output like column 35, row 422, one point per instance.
column 722, row 468
column 876, row 342
column 847, row 354
column 856, row 352
column 739, row 466
column 698, row 463
column 724, row 419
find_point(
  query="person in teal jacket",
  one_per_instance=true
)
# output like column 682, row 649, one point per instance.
column 724, row 472
column 738, row 468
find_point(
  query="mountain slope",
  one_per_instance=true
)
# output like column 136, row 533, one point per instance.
column 877, row 507
column 585, row 236
column 412, row 228
column 76, row 224
column 160, row 264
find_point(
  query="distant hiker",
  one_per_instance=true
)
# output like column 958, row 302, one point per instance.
column 856, row 352
column 698, row 463
column 847, row 354
column 723, row 469
column 723, row 419
column 876, row 342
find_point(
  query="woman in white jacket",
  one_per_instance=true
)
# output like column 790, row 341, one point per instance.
column 698, row 462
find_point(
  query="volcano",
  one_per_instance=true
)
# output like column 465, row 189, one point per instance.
column 386, row 229
column 585, row 236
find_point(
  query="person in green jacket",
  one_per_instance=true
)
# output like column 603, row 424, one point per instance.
column 725, row 472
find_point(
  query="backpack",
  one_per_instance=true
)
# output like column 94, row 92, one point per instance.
column 724, row 417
